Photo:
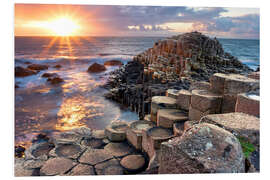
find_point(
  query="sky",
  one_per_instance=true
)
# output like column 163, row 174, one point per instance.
column 100, row 20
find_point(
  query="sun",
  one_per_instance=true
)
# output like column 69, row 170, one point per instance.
column 63, row 26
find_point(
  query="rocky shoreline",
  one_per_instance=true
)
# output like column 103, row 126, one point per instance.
column 198, row 109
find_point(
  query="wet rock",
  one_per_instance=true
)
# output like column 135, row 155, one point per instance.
column 118, row 149
column 82, row 170
column 95, row 68
column 240, row 124
column 95, row 156
column 49, row 75
column 55, row 80
column 37, row 67
column 134, row 132
column 161, row 102
column 116, row 131
column 57, row 166
column 113, row 63
column 248, row 103
column 57, row 66
column 183, row 99
column 133, row 163
column 19, row 151
column 167, row 117
column 22, row 72
column 205, row 148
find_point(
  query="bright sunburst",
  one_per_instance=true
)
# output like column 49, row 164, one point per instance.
column 63, row 26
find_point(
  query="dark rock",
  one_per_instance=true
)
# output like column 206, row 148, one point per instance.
column 49, row 75
column 58, row 66
column 22, row 72
column 40, row 138
column 38, row 67
column 113, row 63
column 55, row 80
column 95, row 68
column 19, row 151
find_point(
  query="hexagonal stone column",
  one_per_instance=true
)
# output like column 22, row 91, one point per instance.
column 205, row 148
column 183, row 99
column 203, row 103
column 134, row 132
column 248, row 103
column 161, row 102
column 116, row 131
column 153, row 137
column 167, row 117
column 133, row 163
column 229, row 85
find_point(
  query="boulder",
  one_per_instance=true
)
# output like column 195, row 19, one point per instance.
column 37, row 67
column 161, row 102
column 49, row 75
column 205, row 148
column 133, row 163
column 57, row 166
column 248, row 103
column 113, row 63
column 116, row 131
column 22, row 72
column 96, row 68
column 55, row 80
column 167, row 117
column 134, row 132
column 183, row 99
column 241, row 125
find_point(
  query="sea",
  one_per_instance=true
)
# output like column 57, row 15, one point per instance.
column 44, row 108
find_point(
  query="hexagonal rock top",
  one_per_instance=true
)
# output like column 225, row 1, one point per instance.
column 205, row 148
column 167, row 117
column 161, row 102
column 94, row 156
column 82, row 170
column 68, row 150
column 118, row 149
column 116, row 131
column 56, row 166
column 240, row 124
column 93, row 143
column 134, row 132
column 111, row 167
column 232, row 83
column 133, row 163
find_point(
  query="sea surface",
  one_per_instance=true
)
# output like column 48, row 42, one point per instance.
column 41, row 107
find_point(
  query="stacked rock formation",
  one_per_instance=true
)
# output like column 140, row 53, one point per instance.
column 173, row 63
